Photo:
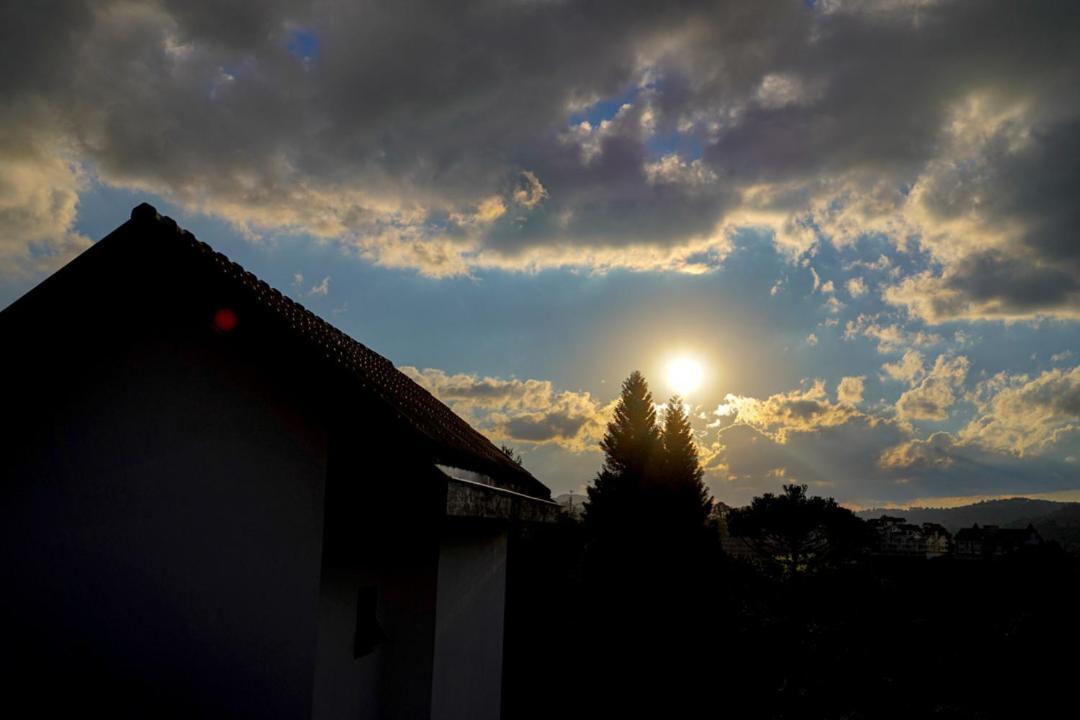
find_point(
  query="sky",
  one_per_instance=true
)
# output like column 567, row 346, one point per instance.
column 859, row 217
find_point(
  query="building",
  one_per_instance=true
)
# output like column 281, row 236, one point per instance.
column 897, row 537
column 937, row 539
column 992, row 541
column 217, row 504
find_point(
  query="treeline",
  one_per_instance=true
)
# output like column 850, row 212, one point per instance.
column 638, row 611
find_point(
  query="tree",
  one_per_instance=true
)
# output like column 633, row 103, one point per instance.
column 512, row 454
column 648, row 568
column 680, row 492
column 630, row 451
column 796, row 532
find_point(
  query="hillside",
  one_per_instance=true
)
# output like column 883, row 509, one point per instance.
column 1012, row 512
column 1062, row 525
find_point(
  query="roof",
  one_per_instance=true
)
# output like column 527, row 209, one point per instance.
column 448, row 438
column 998, row 535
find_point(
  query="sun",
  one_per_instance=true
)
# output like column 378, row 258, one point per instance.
column 684, row 375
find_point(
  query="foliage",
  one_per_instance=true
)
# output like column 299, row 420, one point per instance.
column 683, row 500
column 512, row 454
column 798, row 533
column 630, row 452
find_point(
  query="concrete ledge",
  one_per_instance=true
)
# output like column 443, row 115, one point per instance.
column 470, row 499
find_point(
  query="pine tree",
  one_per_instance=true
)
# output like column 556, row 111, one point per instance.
column 630, row 448
column 682, row 498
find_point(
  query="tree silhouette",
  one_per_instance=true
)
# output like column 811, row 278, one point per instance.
column 630, row 452
column 511, row 453
column 796, row 532
column 679, row 492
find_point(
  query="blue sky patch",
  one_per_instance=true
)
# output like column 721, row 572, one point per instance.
column 304, row 44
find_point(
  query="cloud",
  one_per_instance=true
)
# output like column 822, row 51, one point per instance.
column 1017, row 415
column 869, row 458
column 522, row 411
column 908, row 369
column 562, row 134
column 529, row 192
column 935, row 451
column 833, row 305
column 834, row 459
column 40, row 184
column 856, row 287
column 987, row 209
column 1024, row 416
column 798, row 411
column 890, row 336
column 936, row 393
column 850, row 390
column 320, row 288
column 883, row 262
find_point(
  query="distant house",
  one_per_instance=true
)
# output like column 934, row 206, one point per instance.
column 992, row 541
column 217, row 504
column 897, row 537
column 937, row 540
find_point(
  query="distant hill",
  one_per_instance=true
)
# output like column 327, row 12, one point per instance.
column 1013, row 512
column 1062, row 525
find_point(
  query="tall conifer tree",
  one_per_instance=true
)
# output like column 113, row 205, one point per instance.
column 683, row 498
column 631, row 448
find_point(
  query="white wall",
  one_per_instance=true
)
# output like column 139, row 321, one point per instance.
column 470, row 611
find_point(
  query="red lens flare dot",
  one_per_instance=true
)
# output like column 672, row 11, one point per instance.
column 225, row 320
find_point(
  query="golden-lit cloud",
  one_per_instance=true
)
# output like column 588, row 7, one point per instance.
column 935, row 451
column 908, row 369
column 520, row 411
column 40, row 182
column 890, row 337
column 856, row 287
column 1023, row 415
column 1016, row 415
column 932, row 397
column 798, row 411
column 850, row 390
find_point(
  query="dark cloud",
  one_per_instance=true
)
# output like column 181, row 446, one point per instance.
column 447, row 136
column 544, row 428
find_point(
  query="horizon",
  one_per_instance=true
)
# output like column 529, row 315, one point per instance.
column 845, row 232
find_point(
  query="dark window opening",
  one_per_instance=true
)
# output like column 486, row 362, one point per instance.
column 369, row 633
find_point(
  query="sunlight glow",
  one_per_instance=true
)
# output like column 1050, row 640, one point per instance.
column 684, row 375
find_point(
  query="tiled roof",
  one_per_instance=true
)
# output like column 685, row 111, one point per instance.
column 454, row 441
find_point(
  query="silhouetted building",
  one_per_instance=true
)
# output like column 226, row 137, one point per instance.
column 992, row 541
column 217, row 504
column 936, row 539
column 897, row 537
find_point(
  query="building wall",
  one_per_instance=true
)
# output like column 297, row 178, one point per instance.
column 345, row 686
column 162, row 526
column 185, row 517
column 382, row 526
column 467, row 675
